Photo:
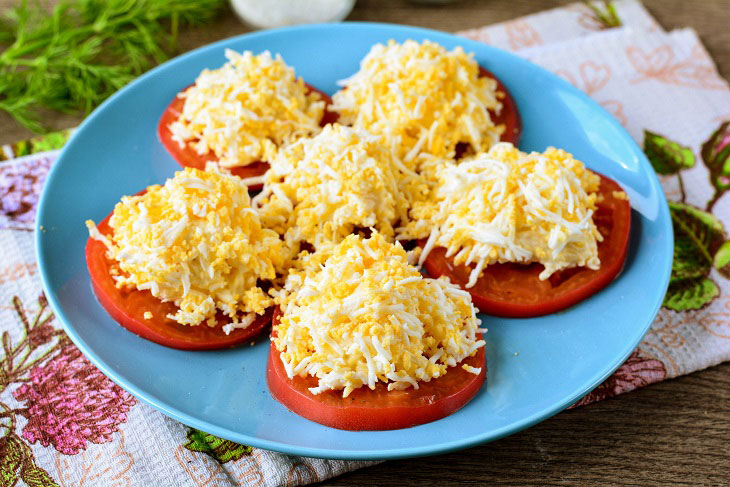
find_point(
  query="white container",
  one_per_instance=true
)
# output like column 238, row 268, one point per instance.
column 265, row 14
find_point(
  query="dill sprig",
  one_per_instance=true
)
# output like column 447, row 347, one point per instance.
column 72, row 56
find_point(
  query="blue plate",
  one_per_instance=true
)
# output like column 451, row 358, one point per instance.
column 537, row 367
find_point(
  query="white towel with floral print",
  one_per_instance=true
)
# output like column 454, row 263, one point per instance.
column 62, row 423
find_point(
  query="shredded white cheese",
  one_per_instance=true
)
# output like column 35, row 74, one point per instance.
column 196, row 241
column 422, row 99
column 246, row 110
column 323, row 188
column 509, row 206
column 356, row 314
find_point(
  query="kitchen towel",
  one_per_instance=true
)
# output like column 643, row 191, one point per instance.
column 63, row 423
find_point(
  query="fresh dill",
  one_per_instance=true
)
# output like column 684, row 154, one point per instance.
column 71, row 56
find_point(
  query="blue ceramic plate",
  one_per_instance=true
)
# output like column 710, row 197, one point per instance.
column 537, row 367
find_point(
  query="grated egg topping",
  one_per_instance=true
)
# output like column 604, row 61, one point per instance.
column 247, row 109
column 509, row 206
column 197, row 242
column 323, row 188
column 356, row 313
column 422, row 99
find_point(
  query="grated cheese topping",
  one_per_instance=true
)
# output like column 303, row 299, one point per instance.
column 247, row 109
column 197, row 242
column 422, row 99
column 323, row 188
column 356, row 314
column 509, row 206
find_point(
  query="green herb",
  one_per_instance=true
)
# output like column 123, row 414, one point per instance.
column 72, row 56
column 606, row 15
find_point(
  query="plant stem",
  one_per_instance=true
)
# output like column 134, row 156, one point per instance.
column 8, row 413
column 10, row 357
column 711, row 204
column 21, row 313
column 681, row 187
column 24, row 368
column 608, row 18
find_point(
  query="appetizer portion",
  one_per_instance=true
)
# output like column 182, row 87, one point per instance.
column 526, row 234
column 186, row 264
column 363, row 341
column 343, row 180
column 428, row 103
column 240, row 114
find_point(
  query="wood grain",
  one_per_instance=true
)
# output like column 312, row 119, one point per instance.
column 673, row 432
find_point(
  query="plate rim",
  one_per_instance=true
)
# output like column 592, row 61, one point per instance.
column 380, row 454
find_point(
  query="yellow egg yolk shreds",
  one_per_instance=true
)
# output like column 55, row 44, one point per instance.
column 323, row 188
column 356, row 313
column 422, row 99
column 247, row 109
column 197, row 242
column 509, row 206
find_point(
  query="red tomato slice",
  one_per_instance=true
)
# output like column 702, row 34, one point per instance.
column 128, row 308
column 189, row 157
column 377, row 409
column 514, row 290
column 508, row 116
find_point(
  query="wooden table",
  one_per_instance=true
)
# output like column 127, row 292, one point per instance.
column 676, row 431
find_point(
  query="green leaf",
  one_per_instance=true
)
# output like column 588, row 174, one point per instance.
column 690, row 294
column 35, row 476
column 713, row 146
column 666, row 156
column 687, row 264
column 722, row 259
column 17, row 458
column 22, row 148
column 218, row 448
column 697, row 236
column 10, row 460
column 47, row 142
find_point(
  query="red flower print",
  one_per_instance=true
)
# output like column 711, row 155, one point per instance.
column 637, row 371
column 70, row 402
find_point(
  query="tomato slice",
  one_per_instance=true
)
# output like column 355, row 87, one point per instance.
column 378, row 409
column 128, row 309
column 509, row 116
column 514, row 290
column 189, row 157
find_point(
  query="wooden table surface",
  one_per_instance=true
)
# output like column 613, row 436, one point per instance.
column 677, row 431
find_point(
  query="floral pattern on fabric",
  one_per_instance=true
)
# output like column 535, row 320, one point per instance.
column 65, row 400
column 700, row 239
column 69, row 402
column 637, row 371
column 218, row 448
column 20, row 188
